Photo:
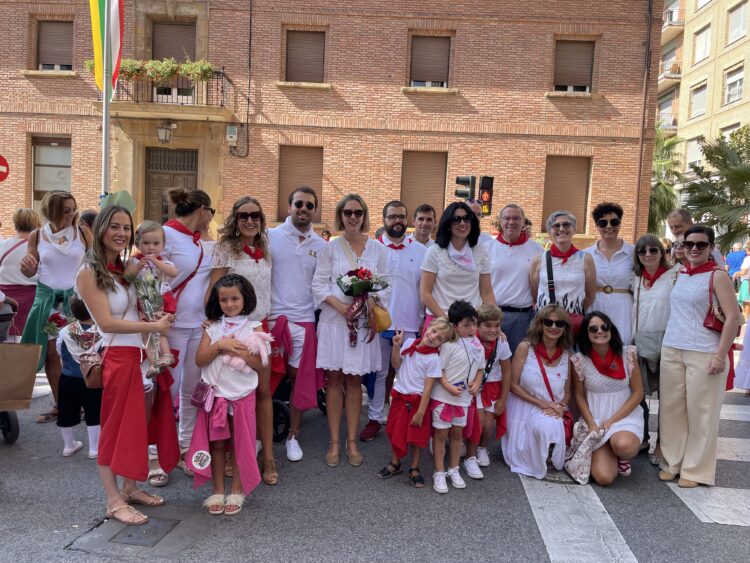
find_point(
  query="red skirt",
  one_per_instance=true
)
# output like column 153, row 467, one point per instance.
column 123, row 441
column 400, row 431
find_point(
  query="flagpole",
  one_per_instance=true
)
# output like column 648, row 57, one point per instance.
column 106, row 87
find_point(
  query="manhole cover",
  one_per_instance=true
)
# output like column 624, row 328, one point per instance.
column 147, row 535
column 558, row 477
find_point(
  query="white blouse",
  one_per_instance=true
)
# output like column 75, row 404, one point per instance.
column 651, row 310
column 257, row 273
column 453, row 282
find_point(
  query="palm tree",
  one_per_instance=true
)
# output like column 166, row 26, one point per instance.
column 665, row 173
column 720, row 195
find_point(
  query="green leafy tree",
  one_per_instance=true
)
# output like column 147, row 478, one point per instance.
column 720, row 195
column 665, row 173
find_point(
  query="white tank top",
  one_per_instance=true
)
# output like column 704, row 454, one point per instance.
column 121, row 300
column 688, row 305
column 58, row 270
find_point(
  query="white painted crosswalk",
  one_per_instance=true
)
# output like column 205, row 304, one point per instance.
column 717, row 505
column 737, row 413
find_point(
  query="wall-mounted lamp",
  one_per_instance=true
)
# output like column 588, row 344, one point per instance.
column 164, row 131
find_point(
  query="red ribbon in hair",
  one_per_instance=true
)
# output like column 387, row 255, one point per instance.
column 179, row 227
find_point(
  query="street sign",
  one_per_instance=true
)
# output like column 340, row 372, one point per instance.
column 4, row 168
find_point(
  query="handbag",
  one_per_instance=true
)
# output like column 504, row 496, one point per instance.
column 648, row 343
column 715, row 318
column 567, row 417
column 578, row 456
column 576, row 319
column 382, row 318
column 203, row 396
column 91, row 368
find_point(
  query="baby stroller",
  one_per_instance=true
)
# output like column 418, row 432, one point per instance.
column 8, row 419
column 281, row 388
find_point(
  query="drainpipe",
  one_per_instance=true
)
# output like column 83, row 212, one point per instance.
column 246, row 127
column 646, row 76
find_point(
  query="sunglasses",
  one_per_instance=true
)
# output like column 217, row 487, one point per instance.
column 604, row 223
column 650, row 250
column 396, row 217
column 456, row 219
column 593, row 329
column 356, row 212
column 549, row 323
column 700, row 245
column 211, row 210
column 566, row 225
column 308, row 204
column 243, row 216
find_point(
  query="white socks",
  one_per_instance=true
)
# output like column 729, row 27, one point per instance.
column 68, row 438
column 93, row 432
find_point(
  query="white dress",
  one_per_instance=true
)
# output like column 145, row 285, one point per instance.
column 616, row 272
column 257, row 273
column 570, row 282
column 605, row 395
column 334, row 351
column 530, row 431
column 742, row 370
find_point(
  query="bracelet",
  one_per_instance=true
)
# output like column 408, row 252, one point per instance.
column 718, row 359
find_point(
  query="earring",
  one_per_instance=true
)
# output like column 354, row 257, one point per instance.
column 237, row 232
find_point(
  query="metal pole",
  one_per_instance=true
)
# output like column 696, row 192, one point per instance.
column 106, row 86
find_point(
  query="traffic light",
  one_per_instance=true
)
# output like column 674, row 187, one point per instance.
column 485, row 194
column 469, row 189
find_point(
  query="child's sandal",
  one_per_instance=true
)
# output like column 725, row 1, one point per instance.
column 215, row 504
column 387, row 472
column 235, row 500
column 416, row 477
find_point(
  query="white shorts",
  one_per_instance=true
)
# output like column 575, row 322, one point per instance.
column 441, row 424
column 298, row 341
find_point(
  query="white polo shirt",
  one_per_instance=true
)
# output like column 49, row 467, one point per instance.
column 411, row 375
column 294, row 265
column 404, row 273
column 460, row 361
column 427, row 244
column 509, row 269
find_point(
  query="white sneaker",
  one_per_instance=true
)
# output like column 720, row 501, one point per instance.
column 67, row 452
column 293, row 451
column 472, row 468
column 93, row 454
column 483, row 457
column 456, row 480
column 438, row 482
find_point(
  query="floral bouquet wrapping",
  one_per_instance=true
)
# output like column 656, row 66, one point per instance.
column 86, row 339
column 150, row 302
column 55, row 322
column 358, row 284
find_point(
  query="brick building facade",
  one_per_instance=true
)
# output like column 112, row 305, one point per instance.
column 391, row 99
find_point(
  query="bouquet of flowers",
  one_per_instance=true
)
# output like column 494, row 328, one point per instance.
column 55, row 322
column 358, row 284
column 150, row 302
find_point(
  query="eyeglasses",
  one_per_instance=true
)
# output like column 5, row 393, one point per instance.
column 593, row 329
column 604, row 223
column 650, row 250
column 512, row 219
column 396, row 217
column 677, row 244
column 566, row 225
column 308, row 204
column 356, row 212
column 559, row 324
column 243, row 216
column 211, row 210
column 700, row 245
column 70, row 210
column 456, row 219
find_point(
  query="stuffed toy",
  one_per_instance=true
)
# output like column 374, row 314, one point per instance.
column 258, row 343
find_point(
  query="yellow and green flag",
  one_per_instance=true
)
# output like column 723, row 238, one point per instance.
column 115, row 31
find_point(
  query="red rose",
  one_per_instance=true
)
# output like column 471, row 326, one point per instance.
column 364, row 274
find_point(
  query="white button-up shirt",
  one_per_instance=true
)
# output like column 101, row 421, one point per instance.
column 404, row 275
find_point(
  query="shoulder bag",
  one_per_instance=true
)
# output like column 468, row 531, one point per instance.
column 715, row 318
column 576, row 319
column 567, row 417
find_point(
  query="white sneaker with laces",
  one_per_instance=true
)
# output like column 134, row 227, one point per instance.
column 483, row 457
column 455, row 477
column 67, row 452
column 293, row 451
column 472, row 468
column 438, row 482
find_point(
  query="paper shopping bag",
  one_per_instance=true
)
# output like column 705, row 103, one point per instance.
column 17, row 375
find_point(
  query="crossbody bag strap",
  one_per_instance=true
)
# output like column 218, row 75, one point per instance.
column 638, row 303
column 11, row 249
column 711, row 290
column 546, row 379
column 550, row 278
column 490, row 362
column 177, row 291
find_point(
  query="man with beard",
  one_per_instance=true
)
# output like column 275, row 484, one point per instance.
column 404, row 261
column 294, row 250
column 424, row 224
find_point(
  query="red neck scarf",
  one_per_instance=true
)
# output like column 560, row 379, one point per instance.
column 610, row 365
column 709, row 266
column 118, row 268
column 521, row 240
column 541, row 351
column 557, row 253
column 417, row 347
column 392, row 245
column 179, row 227
column 652, row 279
column 256, row 254
column 488, row 351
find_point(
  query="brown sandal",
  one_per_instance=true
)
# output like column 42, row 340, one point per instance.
column 136, row 518
column 332, row 460
column 149, row 500
column 270, row 472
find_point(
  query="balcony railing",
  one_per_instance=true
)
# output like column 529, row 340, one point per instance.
column 670, row 69
column 181, row 91
column 667, row 121
column 674, row 16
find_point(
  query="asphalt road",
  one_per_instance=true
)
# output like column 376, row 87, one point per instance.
column 52, row 508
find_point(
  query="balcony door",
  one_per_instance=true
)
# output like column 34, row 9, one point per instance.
column 167, row 169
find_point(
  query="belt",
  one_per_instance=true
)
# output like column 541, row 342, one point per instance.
column 609, row 289
column 505, row 309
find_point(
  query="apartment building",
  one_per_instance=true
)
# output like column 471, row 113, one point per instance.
column 391, row 99
column 704, row 46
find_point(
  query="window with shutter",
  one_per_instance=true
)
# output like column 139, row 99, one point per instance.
column 693, row 152
column 737, row 23
column 305, row 56
column 51, row 167
column 733, row 82
column 701, row 44
column 173, row 41
column 430, row 61
column 702, row 3
column 55, row 45
column 574, row 65
column 566, row 186
column 728, row 130
column 698, row 100
column 299, row 166
column 423, row 180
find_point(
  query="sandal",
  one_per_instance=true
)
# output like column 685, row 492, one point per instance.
column 149, row 500
column 270, row 472
column 355, row 458
column 386, row 472
column 416, row 477
column 48, row 416
column 332, row 460
column 136, row 518
column 182, row 465
column 157, row 477
column 215, row 504
column 235, row 500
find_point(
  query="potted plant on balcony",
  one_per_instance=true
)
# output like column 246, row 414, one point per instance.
column 132, row 69
column 161, row 72
column 198, row 71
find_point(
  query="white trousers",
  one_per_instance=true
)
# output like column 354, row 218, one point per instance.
column 186, row 376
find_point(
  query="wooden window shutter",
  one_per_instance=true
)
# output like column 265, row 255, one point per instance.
column 55, row 43
column 566, row 187
column 423, row 180
column 173, row 40
column 305, row 56
column 299, row 166
column 574, row 63
column 430, row 58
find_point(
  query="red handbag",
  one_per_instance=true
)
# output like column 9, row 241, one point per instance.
column 567, row 417
column 715, row 318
